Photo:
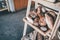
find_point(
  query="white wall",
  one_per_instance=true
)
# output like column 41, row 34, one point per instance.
column 11, row 4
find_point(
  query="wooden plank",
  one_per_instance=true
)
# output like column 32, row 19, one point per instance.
column 3, row 9
column 49, row 4
column 7, row 4
column 28, row 9
column 36, row 28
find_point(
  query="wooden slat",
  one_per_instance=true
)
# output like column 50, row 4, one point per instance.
column 49, row 4
column 36, row 28
column 3, row 9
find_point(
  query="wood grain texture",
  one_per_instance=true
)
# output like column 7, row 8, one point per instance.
column 20, row 4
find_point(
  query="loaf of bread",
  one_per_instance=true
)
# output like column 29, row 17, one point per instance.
column 42, row 21
column 36, row 21
column 38, row 18
column 49, row 17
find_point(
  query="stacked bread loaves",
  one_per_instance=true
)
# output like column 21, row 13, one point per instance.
column 42, row 18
